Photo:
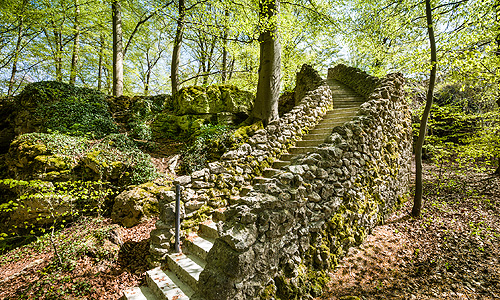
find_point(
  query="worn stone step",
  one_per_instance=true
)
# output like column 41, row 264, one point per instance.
column 270, row 172
column 278, row 164
column 341, row 111
column 187, row 267
column 331, row 125
column 337, row 119
column 261, row 179
column 167, row 286
column 138, row 293
column 340, row 117
column 315, row 137
column 199, row 246
column 320, row 131
column 309, row 143
column 286, row 157
column 301, row 150
column 346, row 105
column 208, row 229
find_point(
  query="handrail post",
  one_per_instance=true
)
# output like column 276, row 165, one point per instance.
column 177, row 217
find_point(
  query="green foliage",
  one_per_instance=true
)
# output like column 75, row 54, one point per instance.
column 143, row 112
column 119, row 148
column 42, row 206
column 113, row 158
column 206, row 146
column 68, row 109
column 57, row 143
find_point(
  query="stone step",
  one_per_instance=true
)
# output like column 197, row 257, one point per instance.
column 331, row 125
column 300, row 150
column 286, row 157
column 261, row 179
column 187, row 267
column 270, row 172
column 343, row 119
column 167, row 286
column 340, row 110
column 309, row 143
column 208, row 229
column 326, row 131
column 315, row 137
column 278, row 164
column 346, row 105
column 335, row 118
column 138, row 293
column 199, row 246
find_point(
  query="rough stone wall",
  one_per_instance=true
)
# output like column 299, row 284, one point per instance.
column 279, row 241
column 358, row 80
column 211, row 188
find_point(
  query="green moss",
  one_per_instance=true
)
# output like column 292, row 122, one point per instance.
column 244, row 132
column 54, row 161
column 202, row 214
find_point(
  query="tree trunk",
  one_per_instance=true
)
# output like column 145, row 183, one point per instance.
column 101, row 56
column 268, row 86
column 417, row 201
column 117, row 49
column 176, row 53
column 224, row 49
column 15, row 59
column 76, row 46
column 58, row 54
column 146, row 86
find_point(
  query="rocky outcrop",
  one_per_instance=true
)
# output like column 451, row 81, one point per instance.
column 58, row 157
column 196, row 105
column 139, row 203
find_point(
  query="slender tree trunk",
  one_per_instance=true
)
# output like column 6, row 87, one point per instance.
column 176, row 53
column 497, row 53
column 224, row 49
column 117, row 49
column 231, row 69
column 76, row 46
column 15, row 59
column 58, row 54
column 208, row 60
column 148, row 78
column 417, row 201
column 101, row 56
column 268, row 86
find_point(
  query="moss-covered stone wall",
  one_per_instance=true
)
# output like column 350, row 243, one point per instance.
column 223, row 182
column 280, row 240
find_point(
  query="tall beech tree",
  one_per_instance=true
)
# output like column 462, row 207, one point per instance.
column 268, row 86
column 417, row 201
column 117, row 49
column 176, row 52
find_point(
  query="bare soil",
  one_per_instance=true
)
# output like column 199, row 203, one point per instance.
column 451, row 252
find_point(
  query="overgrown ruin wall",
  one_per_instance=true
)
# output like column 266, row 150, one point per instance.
column 279, row 241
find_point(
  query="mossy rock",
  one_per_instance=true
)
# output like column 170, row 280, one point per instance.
column 212, row 100
column 134, row 206
column 169, row 125
column 58, row 157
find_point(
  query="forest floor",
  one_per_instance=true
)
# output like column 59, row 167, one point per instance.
column 451, row 252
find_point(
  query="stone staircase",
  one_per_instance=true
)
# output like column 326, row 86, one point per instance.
column 178, row 277
column 346, row 104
